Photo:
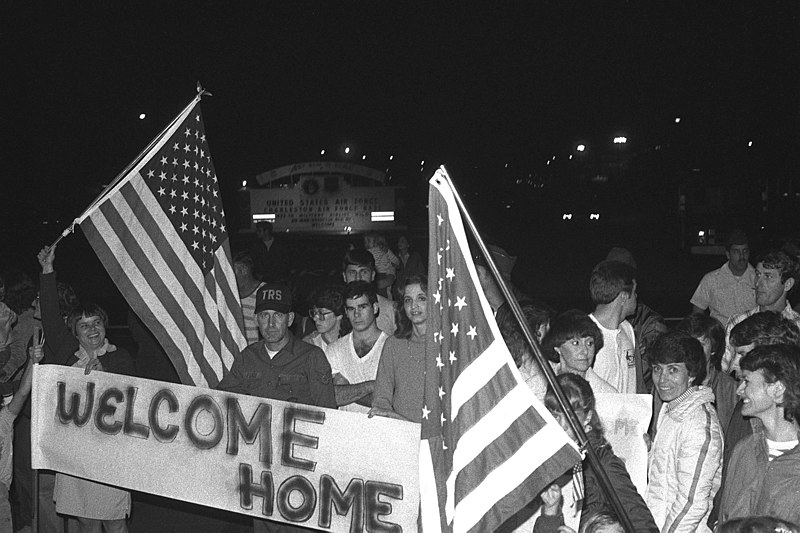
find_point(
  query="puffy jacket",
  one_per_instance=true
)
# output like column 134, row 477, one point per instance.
column 685, row 463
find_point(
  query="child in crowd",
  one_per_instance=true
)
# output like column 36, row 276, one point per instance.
column 386, row 262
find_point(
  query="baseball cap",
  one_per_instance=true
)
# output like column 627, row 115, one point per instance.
column 274, row 297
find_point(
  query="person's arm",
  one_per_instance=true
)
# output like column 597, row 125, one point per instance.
column 18, row 401
column 701, row 298
column 347, row 393
column 321, row 381
column 698, row 472
column 383, row 397
column 61, row 343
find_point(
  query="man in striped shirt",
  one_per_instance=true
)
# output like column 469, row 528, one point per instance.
column 248, row 284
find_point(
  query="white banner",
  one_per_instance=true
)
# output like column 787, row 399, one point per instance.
column 310, row 466
column 625, row 418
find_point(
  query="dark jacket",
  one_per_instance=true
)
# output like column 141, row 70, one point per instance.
column 298, row 373
column 595, row 500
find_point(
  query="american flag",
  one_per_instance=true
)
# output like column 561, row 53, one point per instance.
column 489, row 446
column 160, row 233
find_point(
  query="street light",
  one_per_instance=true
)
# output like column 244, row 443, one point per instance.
column 620, row 140
column 581, row 147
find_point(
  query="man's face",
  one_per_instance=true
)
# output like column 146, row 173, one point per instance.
column 755, row 393
column 358, row 273
column 274, row 325
column 738, row 257
column 360, row 312
column 671, row 380
column 769, row 287
column 738, row 353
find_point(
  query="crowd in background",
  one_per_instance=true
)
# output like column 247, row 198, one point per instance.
column 725, row 381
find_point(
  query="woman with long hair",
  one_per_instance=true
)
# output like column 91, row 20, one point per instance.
column 399, row 384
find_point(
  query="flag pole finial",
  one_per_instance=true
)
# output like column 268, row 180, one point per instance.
column 202, row 92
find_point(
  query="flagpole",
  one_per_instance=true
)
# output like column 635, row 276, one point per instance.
column 583, row 441
column 200, row 93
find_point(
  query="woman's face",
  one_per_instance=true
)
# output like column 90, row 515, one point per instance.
column 91, row 332
column 577, row 354
column 415, row 304
column 324, row 319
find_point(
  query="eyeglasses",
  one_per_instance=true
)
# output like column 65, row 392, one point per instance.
column 319, row 315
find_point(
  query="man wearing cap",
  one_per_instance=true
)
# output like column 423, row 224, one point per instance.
column 728, row 291
column 279, row 366
column 359, row 265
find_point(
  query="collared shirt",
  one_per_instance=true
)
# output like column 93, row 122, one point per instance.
column 724, row 294
column 727, row 357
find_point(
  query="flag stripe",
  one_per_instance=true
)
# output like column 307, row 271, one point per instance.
column 495, row 451
column 187, row 370
column 493, row 391
column 152, row 255
column 507, row 475
column 526, row 491
column 476, row 375
column 227, row 293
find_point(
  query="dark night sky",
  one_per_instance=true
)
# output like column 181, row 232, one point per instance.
column 443, row 83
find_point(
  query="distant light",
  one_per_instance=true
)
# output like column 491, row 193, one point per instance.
column 548, row 161
column 566, row 216
column 347, row 149
column 581, row 147
column 322, row 152
column 594, row 216
column 382, row 216
column 701, row 233
column 620, row 140
column 506, row 165
column 508, row 206
column 677, row 120
column 570, row 156
column 554, row 158
column 142, row 116
column 391, row 157
column 750, row 143
column 363, row 157
column 244, row 183
column 422, row 163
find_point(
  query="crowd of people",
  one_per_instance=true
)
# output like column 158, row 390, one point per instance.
column 723, row 451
